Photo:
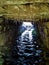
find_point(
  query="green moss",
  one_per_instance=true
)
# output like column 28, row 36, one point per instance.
column 1, row 60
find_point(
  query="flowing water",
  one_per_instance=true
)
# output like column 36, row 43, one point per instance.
column 29, row 45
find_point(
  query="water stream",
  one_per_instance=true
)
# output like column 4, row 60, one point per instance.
column 28, row 45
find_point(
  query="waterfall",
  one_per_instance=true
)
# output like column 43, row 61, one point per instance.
column 28, row 45
column 29, row 28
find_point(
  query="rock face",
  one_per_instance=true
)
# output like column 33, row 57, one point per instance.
column 25, row 9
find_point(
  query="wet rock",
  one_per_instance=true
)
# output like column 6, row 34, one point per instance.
column 38, row 51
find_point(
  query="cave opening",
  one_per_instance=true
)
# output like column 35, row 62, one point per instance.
column 29, row 44
column 25, row 47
